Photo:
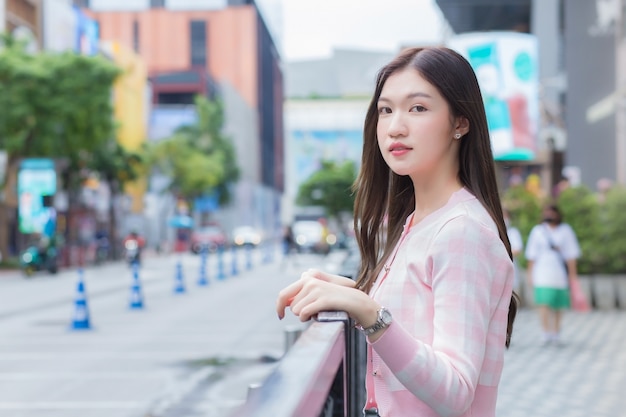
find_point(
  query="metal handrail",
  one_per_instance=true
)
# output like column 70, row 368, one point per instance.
column 300, row 383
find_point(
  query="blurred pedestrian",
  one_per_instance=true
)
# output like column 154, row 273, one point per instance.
column 562, row 185
column 434, row 294
column 551, row 250
column 289, row 246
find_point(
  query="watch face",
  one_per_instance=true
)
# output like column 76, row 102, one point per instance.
column 385, row 316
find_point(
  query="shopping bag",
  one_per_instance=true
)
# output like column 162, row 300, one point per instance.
column 578, row 298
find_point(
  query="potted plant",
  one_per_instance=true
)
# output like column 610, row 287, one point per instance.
column 581, row 210
column 614, row 242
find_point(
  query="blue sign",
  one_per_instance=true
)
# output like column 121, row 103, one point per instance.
column 36, row 183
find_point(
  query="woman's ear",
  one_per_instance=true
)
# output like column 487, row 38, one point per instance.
column 462, row 125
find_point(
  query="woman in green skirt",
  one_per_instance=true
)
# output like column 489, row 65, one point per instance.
column 551, row 251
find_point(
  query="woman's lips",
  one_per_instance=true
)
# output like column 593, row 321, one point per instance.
column 398, row 150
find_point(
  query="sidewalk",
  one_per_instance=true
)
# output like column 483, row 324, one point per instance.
column 583, row 378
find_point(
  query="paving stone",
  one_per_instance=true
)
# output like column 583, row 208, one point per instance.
column 583, row 378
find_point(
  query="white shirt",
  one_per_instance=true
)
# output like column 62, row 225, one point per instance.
column 517, row 244
column 548, row 269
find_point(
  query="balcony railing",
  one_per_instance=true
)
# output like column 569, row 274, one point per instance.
column 321, row 375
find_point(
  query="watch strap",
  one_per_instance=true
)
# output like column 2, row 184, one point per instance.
column 378, row 325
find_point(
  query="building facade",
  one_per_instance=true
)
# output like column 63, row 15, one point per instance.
column 22, row 18
column 213, row 48
column 578, row 44
column 590, row 52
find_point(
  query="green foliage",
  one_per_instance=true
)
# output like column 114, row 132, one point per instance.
column 198, row 158
column 614, row 243
column 581, row 210
column 330, row 188
column 116, row 164
column 524, row 208
column 599, row 227
column 54, row 105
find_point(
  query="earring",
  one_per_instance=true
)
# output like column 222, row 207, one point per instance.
column 457, row 136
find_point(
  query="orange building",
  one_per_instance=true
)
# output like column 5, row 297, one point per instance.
column 180, row 48
column 222, row 41
column 226, row 52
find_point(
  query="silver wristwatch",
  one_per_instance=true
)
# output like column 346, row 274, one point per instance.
column 383, row 321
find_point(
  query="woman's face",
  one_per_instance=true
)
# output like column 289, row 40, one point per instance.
column 415, row 128
column 550, row 216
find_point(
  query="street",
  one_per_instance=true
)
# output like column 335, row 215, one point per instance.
column 131, row 362
column 196, row 353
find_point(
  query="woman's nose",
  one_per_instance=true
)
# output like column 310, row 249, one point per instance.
column 397, row 126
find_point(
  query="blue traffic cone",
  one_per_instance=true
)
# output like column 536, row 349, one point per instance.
column 136, row 297
column 179, row 288
column 203, row 279
column 80, row 319
column 234, row 261
column 220, row 263
column 248, row 257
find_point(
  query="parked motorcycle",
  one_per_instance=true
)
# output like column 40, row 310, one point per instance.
column 132, row 251
column 34, row 259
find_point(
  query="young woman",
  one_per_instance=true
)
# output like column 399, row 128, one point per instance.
column 551, row 251
column 434, row 293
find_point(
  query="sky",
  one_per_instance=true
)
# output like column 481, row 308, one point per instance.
column 308, row 29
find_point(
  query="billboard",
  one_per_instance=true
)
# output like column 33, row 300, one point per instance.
column 68, row 28
column 506, row 67
column 164, row 120
column 86, row 38
column 311, row 147
column 36, row 186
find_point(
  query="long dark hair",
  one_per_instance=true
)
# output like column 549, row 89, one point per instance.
column 384, row 199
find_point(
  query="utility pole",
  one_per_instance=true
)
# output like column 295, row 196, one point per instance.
column 620, row 88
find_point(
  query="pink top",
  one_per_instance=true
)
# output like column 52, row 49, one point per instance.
column 448, row 288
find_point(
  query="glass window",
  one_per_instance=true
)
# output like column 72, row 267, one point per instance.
column 197, row 33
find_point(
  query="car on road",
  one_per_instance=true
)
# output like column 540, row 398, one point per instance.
column 311, row 236
column 209, row 237
column 246, row 236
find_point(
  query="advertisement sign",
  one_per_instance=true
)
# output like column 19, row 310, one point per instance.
column 506, row 67
column 311, row 147
column 165, row 120
column 36, row 186
column 86, row 34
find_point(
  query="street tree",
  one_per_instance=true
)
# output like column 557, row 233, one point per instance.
column 199, row 159
column 52, row 105
column 330, row 188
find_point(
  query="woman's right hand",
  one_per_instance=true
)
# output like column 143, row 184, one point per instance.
column 317, row 291
column 332, row 278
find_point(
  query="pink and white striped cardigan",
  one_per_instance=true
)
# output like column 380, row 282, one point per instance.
column 448, row 287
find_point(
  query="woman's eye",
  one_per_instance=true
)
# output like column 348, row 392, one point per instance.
column 384, row 110
column 418, row 108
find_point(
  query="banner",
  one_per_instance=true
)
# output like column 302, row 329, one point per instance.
column 506, row 67
column 36, row 186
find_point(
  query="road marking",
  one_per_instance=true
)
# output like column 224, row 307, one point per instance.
column 73, row 405
column 87, row 375
column 177, row 355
